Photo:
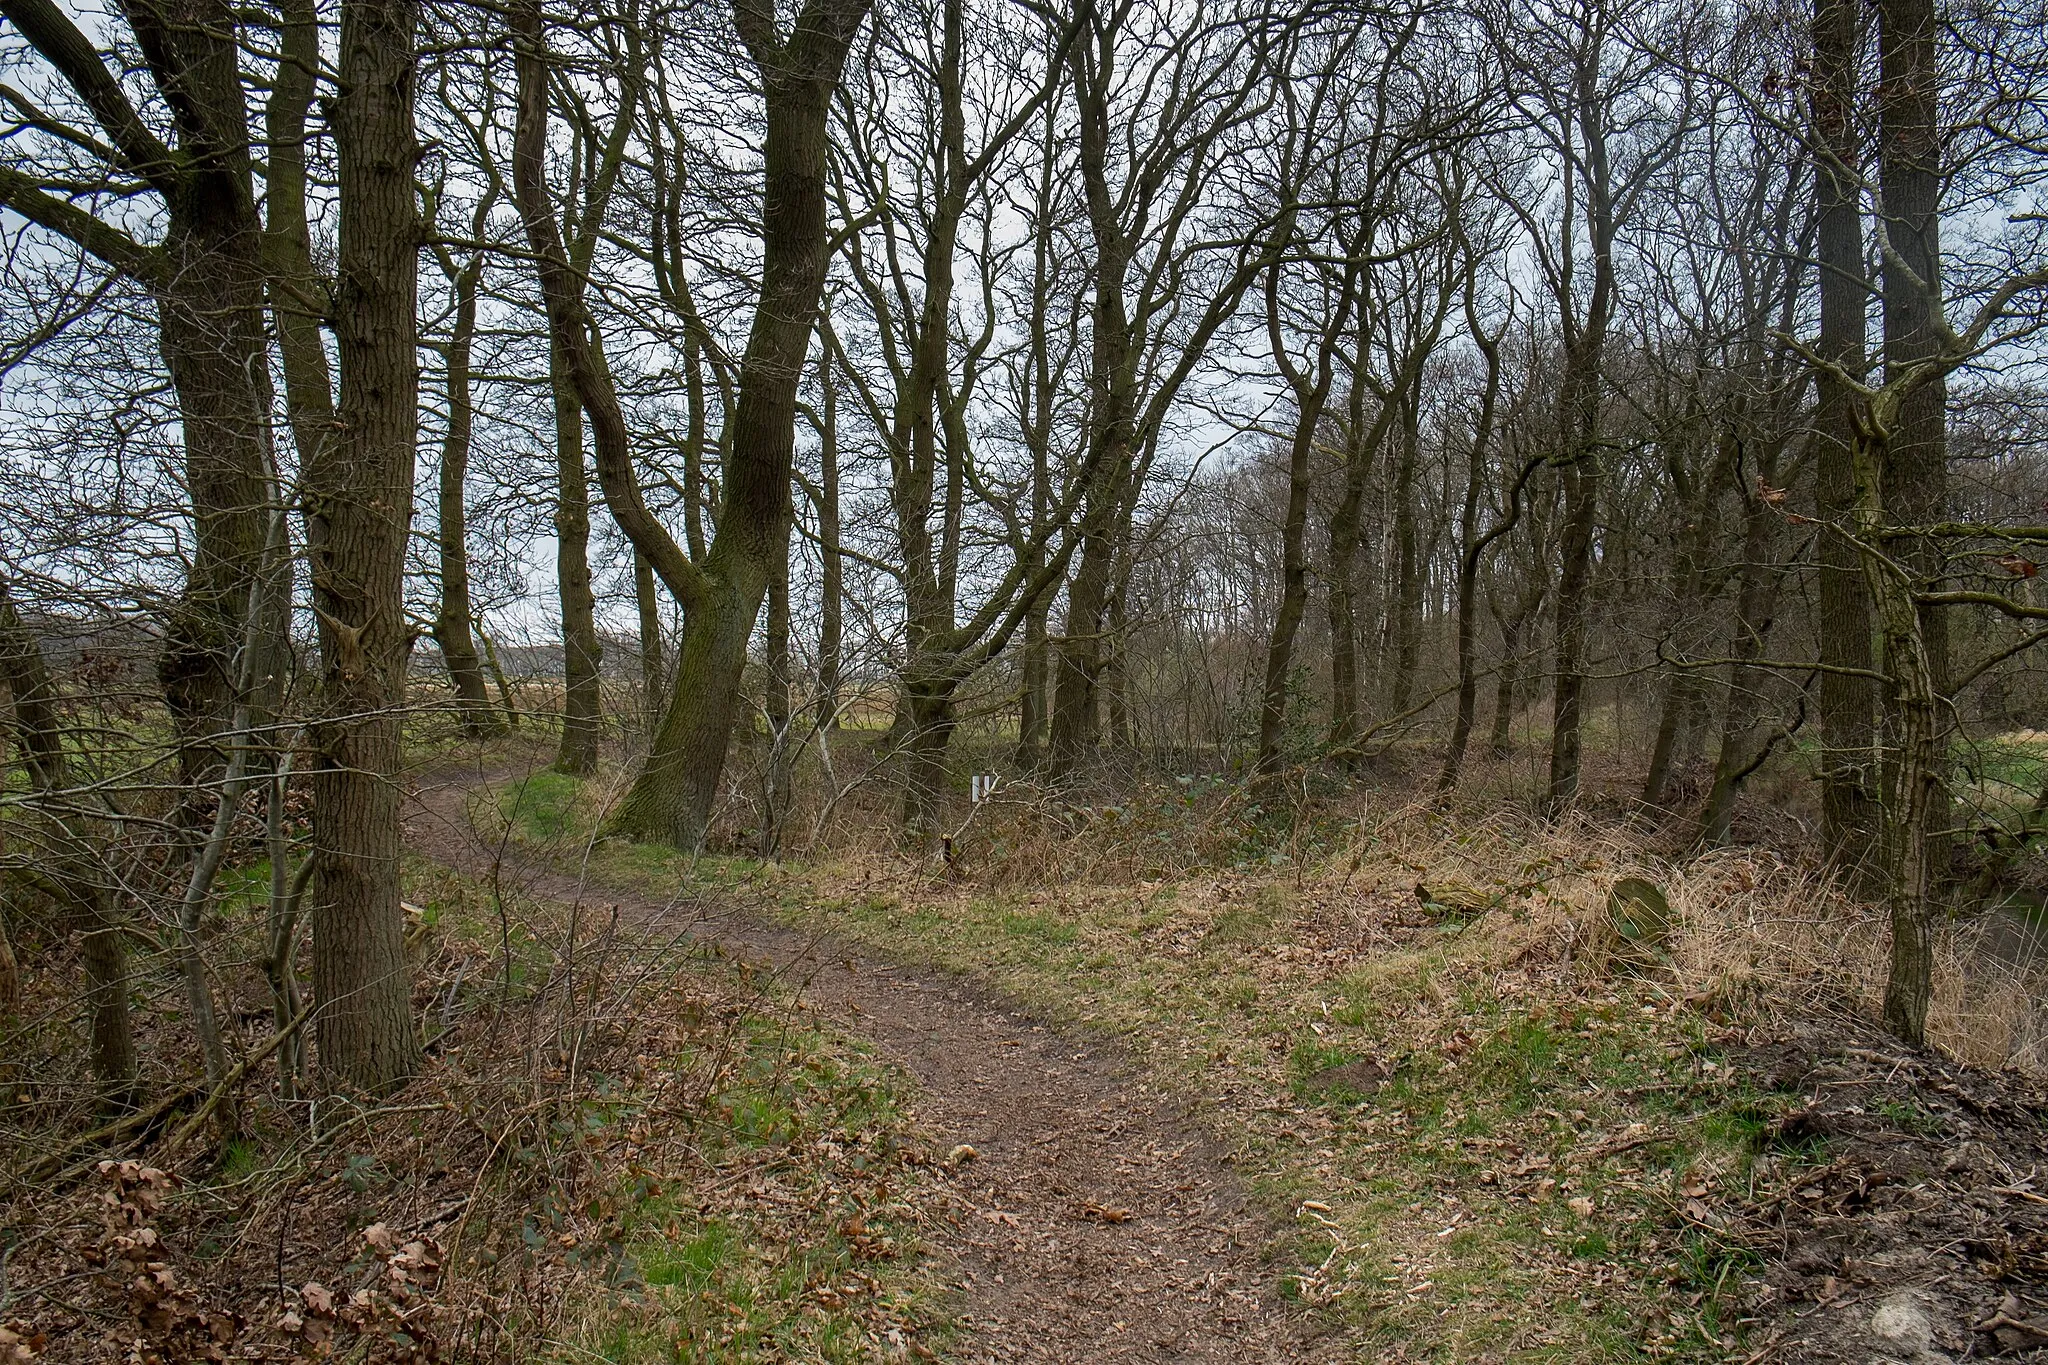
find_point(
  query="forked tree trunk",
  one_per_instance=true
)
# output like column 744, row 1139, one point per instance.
column 1470, row 563
column 359, row 511
column 672, row 797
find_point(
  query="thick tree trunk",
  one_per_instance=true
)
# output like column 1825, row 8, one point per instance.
column 1076, row 713
column 928, row 709
column 359, row 511
column 582, row 654
column 210, row 314
column 1909, row 464
column 1032, row 673
column 1915, row 794
column 1579, row 418
column 453, row 621
column 1119, row 720
column 1916, row 455
column 1849, row 771
column 673, row 796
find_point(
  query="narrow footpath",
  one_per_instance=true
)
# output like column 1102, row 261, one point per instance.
column 1095, row 1223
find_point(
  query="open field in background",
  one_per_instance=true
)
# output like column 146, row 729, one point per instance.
column 1483, row 1132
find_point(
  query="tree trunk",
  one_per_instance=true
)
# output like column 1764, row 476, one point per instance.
column 1913, row 717
column 1501, row 744
column 673, row 795
column 582, row 703
column 210, row 314
column 647, row 602
column 1756, row 601
column 1902, row 479
column 298, row 298
column 831, row 571
column 1407, row 615
column 776, row 708
column 1343, row 595
column 1076, row 722
column 1849, row 772
column 1581, row 498
column 359, row 510
column 1293, row 591
column 76, row 866
column 1031, row 693
column 452, row 628
column 1685, row 690
column 928, row 708
column 1916, row 448
column 1579, row 417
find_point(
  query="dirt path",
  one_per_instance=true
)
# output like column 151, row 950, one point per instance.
column 1096, row 1224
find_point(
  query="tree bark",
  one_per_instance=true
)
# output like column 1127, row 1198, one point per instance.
column 831, row 568
column 1579, row 414
column 777, row 709
column 1407, row 616
column 1916, row 446
column 1902, row 479
column 453, row 620
column 672, row 797
column 582, row 653
column 1685, row 692
column 653, row 668
column 1755, row 605
column 358, row 513
column 1849, row 771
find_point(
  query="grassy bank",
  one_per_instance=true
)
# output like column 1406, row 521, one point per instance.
column 1481, row 1135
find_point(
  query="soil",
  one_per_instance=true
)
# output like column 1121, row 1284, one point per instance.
column 1902, row 1209
column 1090, row 1218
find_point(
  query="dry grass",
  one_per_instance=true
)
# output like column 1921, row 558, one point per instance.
column 1522, row 1185
column 618, row 1150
